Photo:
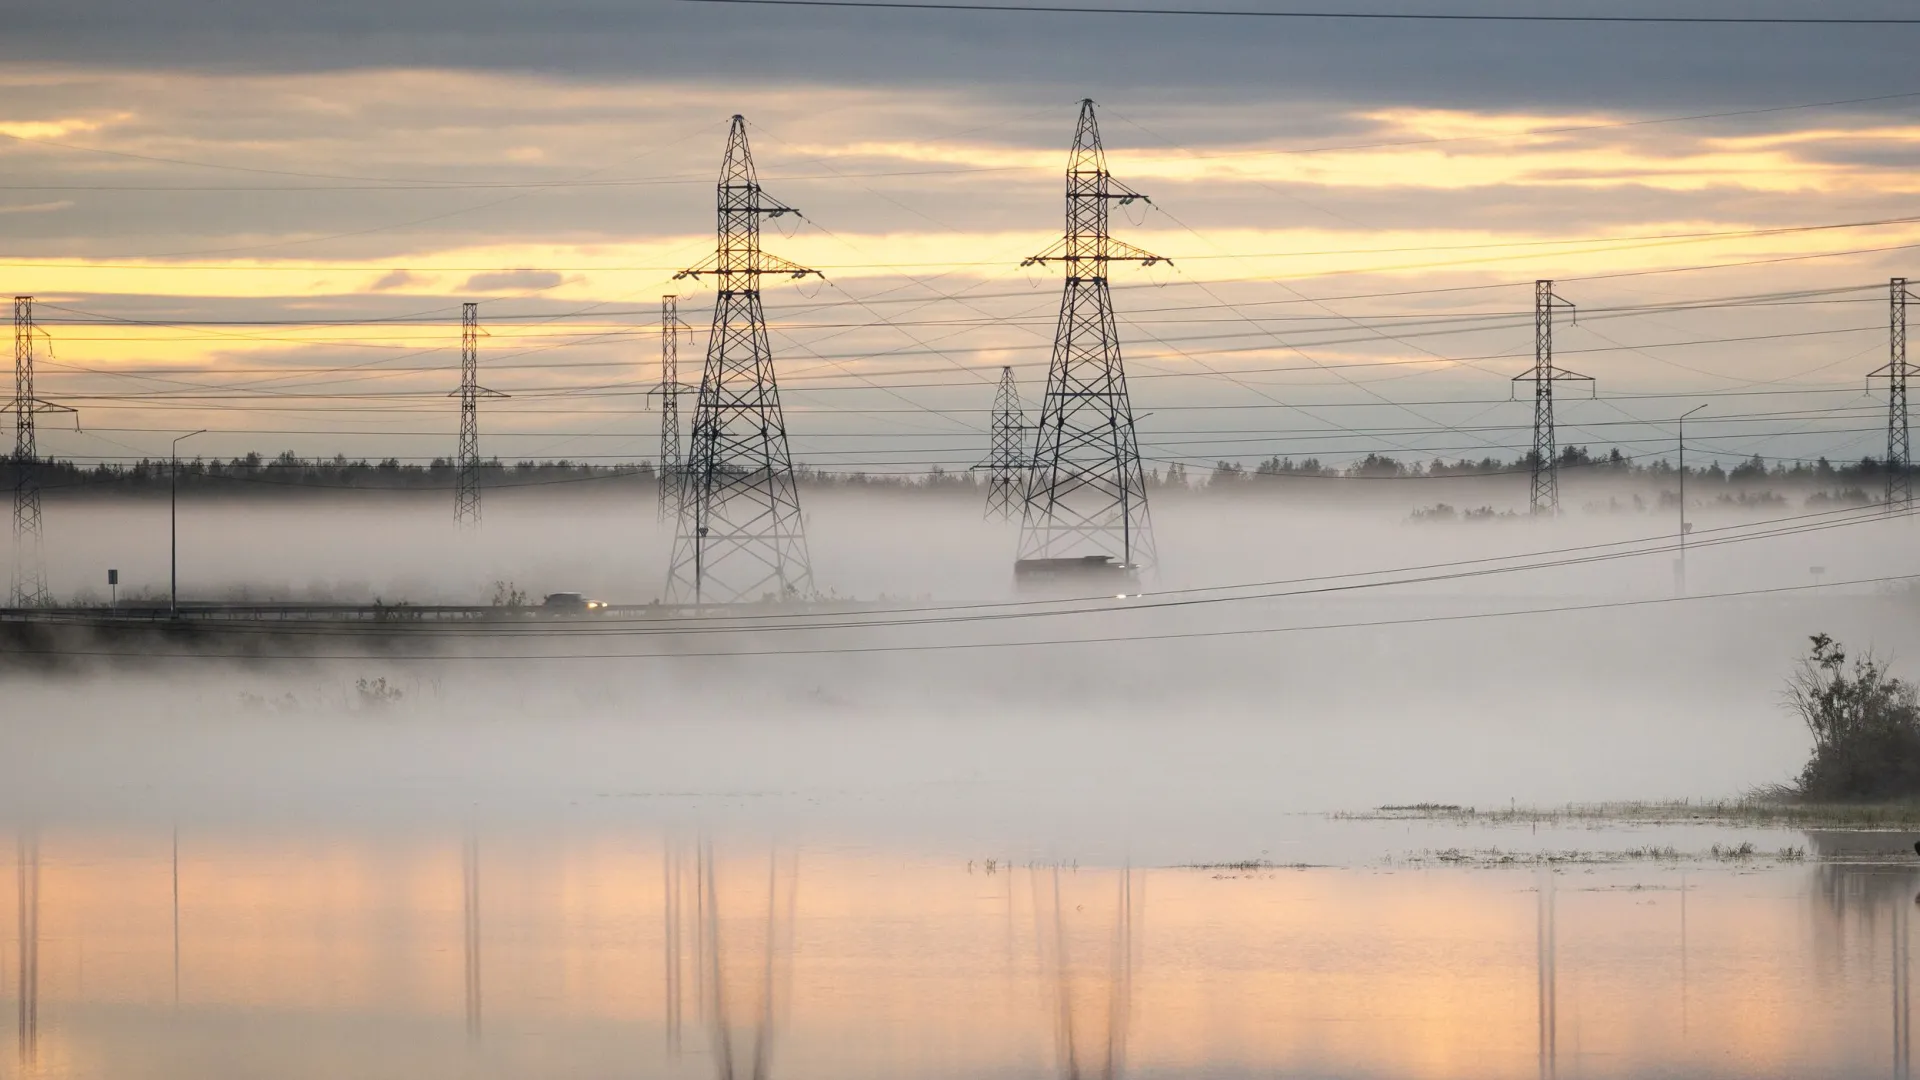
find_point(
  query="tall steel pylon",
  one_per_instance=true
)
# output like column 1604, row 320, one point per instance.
column 1006, row 461
column 1086, row 491
column 466, row 488
column 1544, row 496
column 740, row 533
column 1895, row 371
column 29, row 578
column 672, row 468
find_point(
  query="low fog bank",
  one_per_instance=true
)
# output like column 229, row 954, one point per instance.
column 911, row 546
column 1163, row 750
column 1181, row 726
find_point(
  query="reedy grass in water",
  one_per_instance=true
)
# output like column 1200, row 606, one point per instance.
column 1760, row 811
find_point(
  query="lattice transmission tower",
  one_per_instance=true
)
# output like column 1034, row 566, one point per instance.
column 29, row 579
column 1007, row 460
column 466, row 486
column 673, row 470
column 1544, row 496
column 1896, row 370
column 740, row 536
column 1086, row 491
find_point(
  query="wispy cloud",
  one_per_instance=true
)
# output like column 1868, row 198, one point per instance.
column 36, row 208
column 504, row 280
column 50, row 129
column 396, row 279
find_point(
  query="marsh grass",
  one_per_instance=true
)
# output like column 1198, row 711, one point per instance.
column 1759, row 811
column 1246, row 866
column 1742, row 853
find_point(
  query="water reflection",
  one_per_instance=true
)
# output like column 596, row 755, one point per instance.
column 175, row 861
column 673, row 885
column 622, row 952
column 1084, row 931
column 27, row 875
column 1902, row 994
column 1544, row 944
column 745, row 959
column 470, row 897
column 1869, row 888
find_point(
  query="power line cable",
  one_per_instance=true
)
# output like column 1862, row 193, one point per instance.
column 1331, row 15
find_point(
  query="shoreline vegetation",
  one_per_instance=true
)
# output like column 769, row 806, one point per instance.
column 1863, row 775
column 1745, row 854
column 1759, row 812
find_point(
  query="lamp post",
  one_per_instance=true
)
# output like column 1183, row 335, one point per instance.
column 173, row 524
column 1680, row 568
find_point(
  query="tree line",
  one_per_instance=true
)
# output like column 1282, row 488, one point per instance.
column 255, row 473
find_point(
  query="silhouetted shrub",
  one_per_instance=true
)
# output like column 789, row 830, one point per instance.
column 1865, row 725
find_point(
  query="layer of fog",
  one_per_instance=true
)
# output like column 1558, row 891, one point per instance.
column 881, row 545
column 1194, row 739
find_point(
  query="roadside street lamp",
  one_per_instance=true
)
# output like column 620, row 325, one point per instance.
column 173, row 523
column 1680, row 568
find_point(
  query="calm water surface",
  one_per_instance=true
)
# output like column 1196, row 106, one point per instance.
column 593, row 949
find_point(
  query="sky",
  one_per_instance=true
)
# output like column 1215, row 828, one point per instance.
column 262, row 220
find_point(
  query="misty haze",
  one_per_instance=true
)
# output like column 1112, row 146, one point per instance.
column 770, row 539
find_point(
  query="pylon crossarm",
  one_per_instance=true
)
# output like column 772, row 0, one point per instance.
column 37, row 407
column 1051, row 254
column 674, row 388
column 1558, row 375
column 774, row 264
column 1121, row 251
column 763, row 203
column 1117, row 251
column 708, row 265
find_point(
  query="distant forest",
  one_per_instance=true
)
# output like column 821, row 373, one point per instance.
column 258, row 475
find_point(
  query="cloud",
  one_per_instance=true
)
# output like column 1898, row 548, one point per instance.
column 36, row 208
column 395, row 279
column 34, row 130
column 1028, row 58
column 511, row 280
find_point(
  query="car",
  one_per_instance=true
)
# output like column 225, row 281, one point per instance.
column 569, row 603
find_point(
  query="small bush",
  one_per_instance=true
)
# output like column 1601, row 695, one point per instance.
column 1865, row 725
column 375, row 694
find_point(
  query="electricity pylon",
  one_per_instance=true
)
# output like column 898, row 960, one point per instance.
column 1085, row 491
column 1544, row 496
column 672, row 469
column 1895, row 371
column 740, row 536
column 29, row 580
column 466, row 488
column 1006, row 462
